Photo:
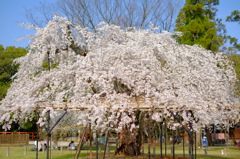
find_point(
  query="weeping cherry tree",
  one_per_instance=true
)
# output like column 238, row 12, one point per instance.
column 112, row 73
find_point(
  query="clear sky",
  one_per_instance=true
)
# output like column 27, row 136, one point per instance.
column 12, row 14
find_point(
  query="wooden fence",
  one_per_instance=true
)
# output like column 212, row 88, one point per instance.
column 236, row 133
column 14, row 139
column 32, row 135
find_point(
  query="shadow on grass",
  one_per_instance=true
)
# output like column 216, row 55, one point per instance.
column 212, row 157
column 69, row 156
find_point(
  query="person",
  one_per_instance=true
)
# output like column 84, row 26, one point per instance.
column 205, row 144
column 204, row 141
column 38, row 145
column 45, row 145
column 71, row 146
column 35, row 145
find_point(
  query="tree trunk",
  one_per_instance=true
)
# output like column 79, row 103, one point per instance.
column 191, row 142
column 130, row 142
column 209, row 136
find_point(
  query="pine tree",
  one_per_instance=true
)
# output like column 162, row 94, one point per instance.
column 234, row 17
column 196, row 21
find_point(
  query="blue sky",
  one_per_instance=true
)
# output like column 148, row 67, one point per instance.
column 12, row 14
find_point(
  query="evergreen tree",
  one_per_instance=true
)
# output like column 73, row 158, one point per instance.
column 234, row 17
column 196, row 21
column 7, row 67
column 235, row 58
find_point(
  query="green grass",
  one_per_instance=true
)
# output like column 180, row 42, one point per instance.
column 232, row 152
column 18, row 152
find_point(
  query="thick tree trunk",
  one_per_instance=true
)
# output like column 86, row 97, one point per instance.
column 130, row 142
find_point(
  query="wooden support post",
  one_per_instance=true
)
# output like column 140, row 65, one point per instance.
column 49, row 130
column 37, row 137
column 80, row 144
column 90, row 132
column 195, row 145
column 48, row 133
column 108, row 149
column 154, row 150
column 50, row 147
column 96, row 144
column 166, row 137
column 7, row 151
column 173, row 145
column 25, row 150
column 183, row 144
column 149, row 140
column 106, row 144
column 160, row 140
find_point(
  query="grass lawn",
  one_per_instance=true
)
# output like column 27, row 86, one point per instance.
column 19, row 152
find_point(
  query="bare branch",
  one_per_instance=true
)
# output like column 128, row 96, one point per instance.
column 125, row 13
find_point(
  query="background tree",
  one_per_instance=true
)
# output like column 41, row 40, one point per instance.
column 234, row 17
column 235, row 58
column 198, row 25
column 8, row 67
column 196, row 21
column 124, row 13
column 234, row 48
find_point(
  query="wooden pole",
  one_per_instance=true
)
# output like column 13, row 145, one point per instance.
column 173, row 144
column 166, row 137
column 80, row 144
column 96, row 144
column 195, row 144
column 50, row 148
column 25, row 150
column 37, row 136
column 183, row 144
column 48, row 133
column 90, row 132
column 7, row 151
column 160, row 140
column 106, row 143
column 149, row 140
